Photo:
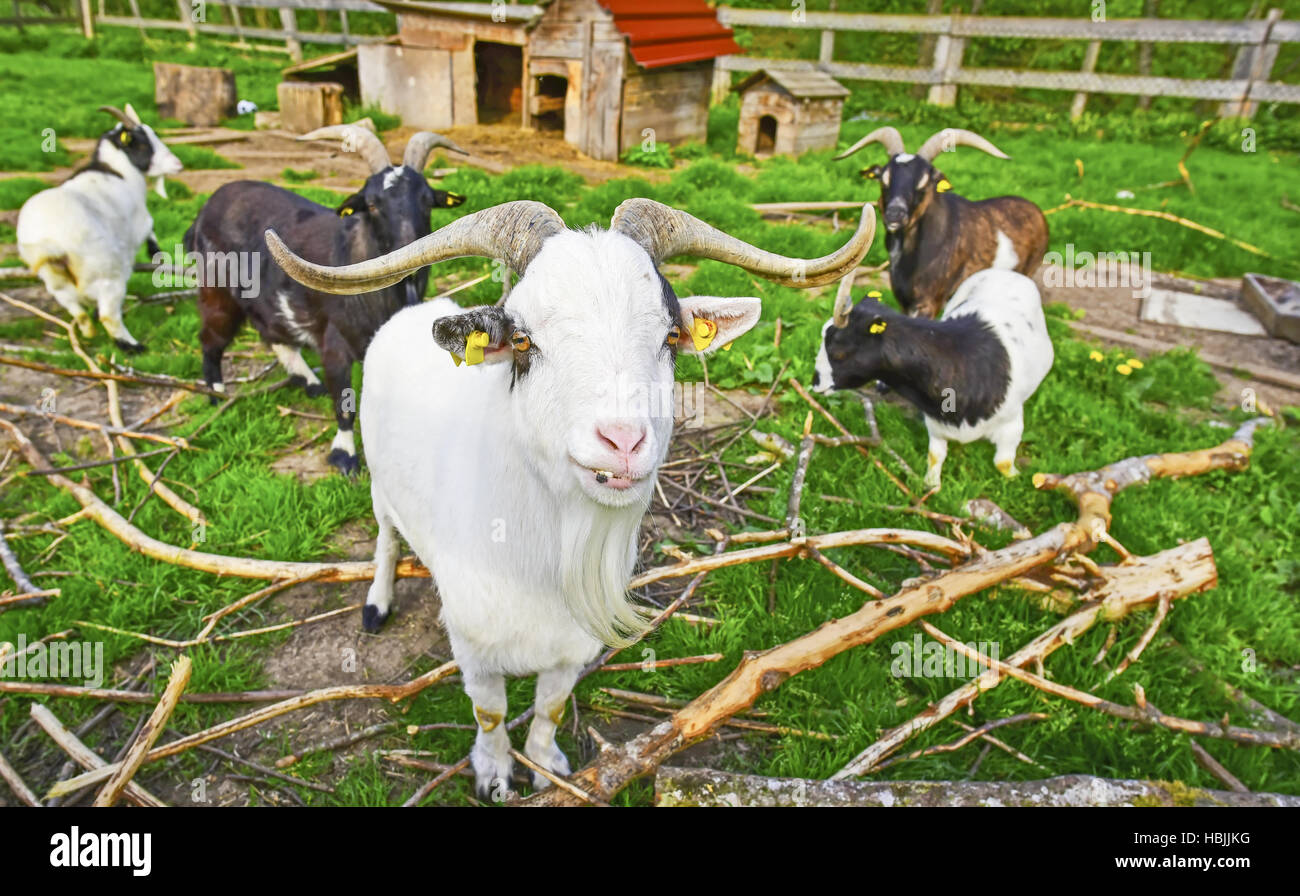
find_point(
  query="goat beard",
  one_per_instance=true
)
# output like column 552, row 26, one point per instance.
column 599, row 551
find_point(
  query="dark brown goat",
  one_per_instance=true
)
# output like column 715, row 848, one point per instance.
column 935, row 238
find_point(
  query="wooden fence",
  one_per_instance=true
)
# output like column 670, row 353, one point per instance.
column 1257, row 43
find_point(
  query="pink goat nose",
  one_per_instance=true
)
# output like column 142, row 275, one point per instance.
column 623, row 438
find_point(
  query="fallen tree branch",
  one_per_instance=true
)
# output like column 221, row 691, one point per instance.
column 760, row 672
column 20, row 409
column 706, row 787
column 1183, row 570
column 29, row 594
column 121, row 779
column 84, row 756
column 11, row 777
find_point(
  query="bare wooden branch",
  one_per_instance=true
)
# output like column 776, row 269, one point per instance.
column 153, row 728
column 16, row 783
column 84, row 756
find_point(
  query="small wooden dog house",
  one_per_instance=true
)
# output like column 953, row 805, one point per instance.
column 600, row 71
column 789, row 112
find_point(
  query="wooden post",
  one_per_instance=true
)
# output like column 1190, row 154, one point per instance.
column 826, row 53
column 184, row 7
column 343, row 26
column 1089, row 66
column 289, row 21
column 1253, row 63
column 721, row 83
column 235, row 20
column 526, row 92
column 87, row 21
column 1150, row 9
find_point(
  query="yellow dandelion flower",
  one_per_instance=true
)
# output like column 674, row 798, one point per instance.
column 1135, row 363
column 1124, row 369
column 1097, row 356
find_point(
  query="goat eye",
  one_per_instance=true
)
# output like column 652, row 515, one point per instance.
column 520, row 341
column 674, row 335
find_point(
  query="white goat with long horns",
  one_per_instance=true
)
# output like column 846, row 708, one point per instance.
column 521, row 479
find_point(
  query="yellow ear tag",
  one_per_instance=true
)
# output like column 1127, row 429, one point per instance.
column 702, row 333
column 455, row 358
column 125, row 137
column 346, row 210
column 727, row 347
column 474, row 346
column 942, row 186
column 874, row 294
column 877, row 327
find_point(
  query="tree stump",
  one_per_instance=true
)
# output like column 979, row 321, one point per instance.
column 193, row 94
column 307, row 105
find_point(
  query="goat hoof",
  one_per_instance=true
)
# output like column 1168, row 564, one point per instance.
column 314, row 390
column 347, row 464
column 134, row 348
column 372, row 620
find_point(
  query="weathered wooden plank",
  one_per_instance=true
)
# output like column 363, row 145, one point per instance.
column 1155, row 30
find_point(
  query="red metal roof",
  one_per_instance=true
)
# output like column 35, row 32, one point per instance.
column 671, row 32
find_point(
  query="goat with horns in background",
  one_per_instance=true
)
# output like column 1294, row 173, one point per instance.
column 936, row 238
column 390, row 210
column 520, row 467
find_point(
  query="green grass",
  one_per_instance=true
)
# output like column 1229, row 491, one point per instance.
column 1245, row 631
column 294, row 176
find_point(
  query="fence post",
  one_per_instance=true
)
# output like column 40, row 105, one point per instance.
column 1253, row 63
column 289, row 21
column 826, row 53
column 948, row 51
column 1089, row 66
column 87, row 20
column 184, row 7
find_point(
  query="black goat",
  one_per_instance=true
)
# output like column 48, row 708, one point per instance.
column 390, row 211
column 935, row 238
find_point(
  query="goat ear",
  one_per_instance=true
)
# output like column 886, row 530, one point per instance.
column 351, row 205
column 443, row 199
column 476, row 337
column 877, row 325
column 708, row 322
column 942, row 184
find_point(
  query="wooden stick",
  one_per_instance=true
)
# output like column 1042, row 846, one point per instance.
column 43, row 689
column 557, row 780
column 1164, row 216
column 176, row 684
column 16, row 783
column 84, row 756
column 1162, row 610
column 816, row 405
column 971, row 734
column 28, row 592
column 1213, row 766
column 661, row 664
column 389, row 692
column 90, row 424
column 265, row 770
column 108, row 462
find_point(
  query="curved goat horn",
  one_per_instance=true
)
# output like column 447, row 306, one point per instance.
column 512, row 231
column 956, row 137
column 423, row 143
column 843, row 302
column 357, row 140
column 664, row 232
column 119, row 115
column 886, row 136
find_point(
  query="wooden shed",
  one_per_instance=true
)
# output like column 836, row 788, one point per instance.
column 600, row 71
column 789, row 112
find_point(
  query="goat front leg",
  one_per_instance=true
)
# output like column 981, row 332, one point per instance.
column 337, row 359
column 934, row 467
column 490, row 756
column 300, row 374
column 553, row 689
column 1006, row 441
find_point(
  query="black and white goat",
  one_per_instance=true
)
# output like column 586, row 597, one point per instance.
column 970, row 372
column 935, row 238
column 390, row 210
column 519, row 468
column 81, row 237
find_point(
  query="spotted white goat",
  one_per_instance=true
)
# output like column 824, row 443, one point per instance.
column 970, row 372
column 521, row 478
column 81, row 237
